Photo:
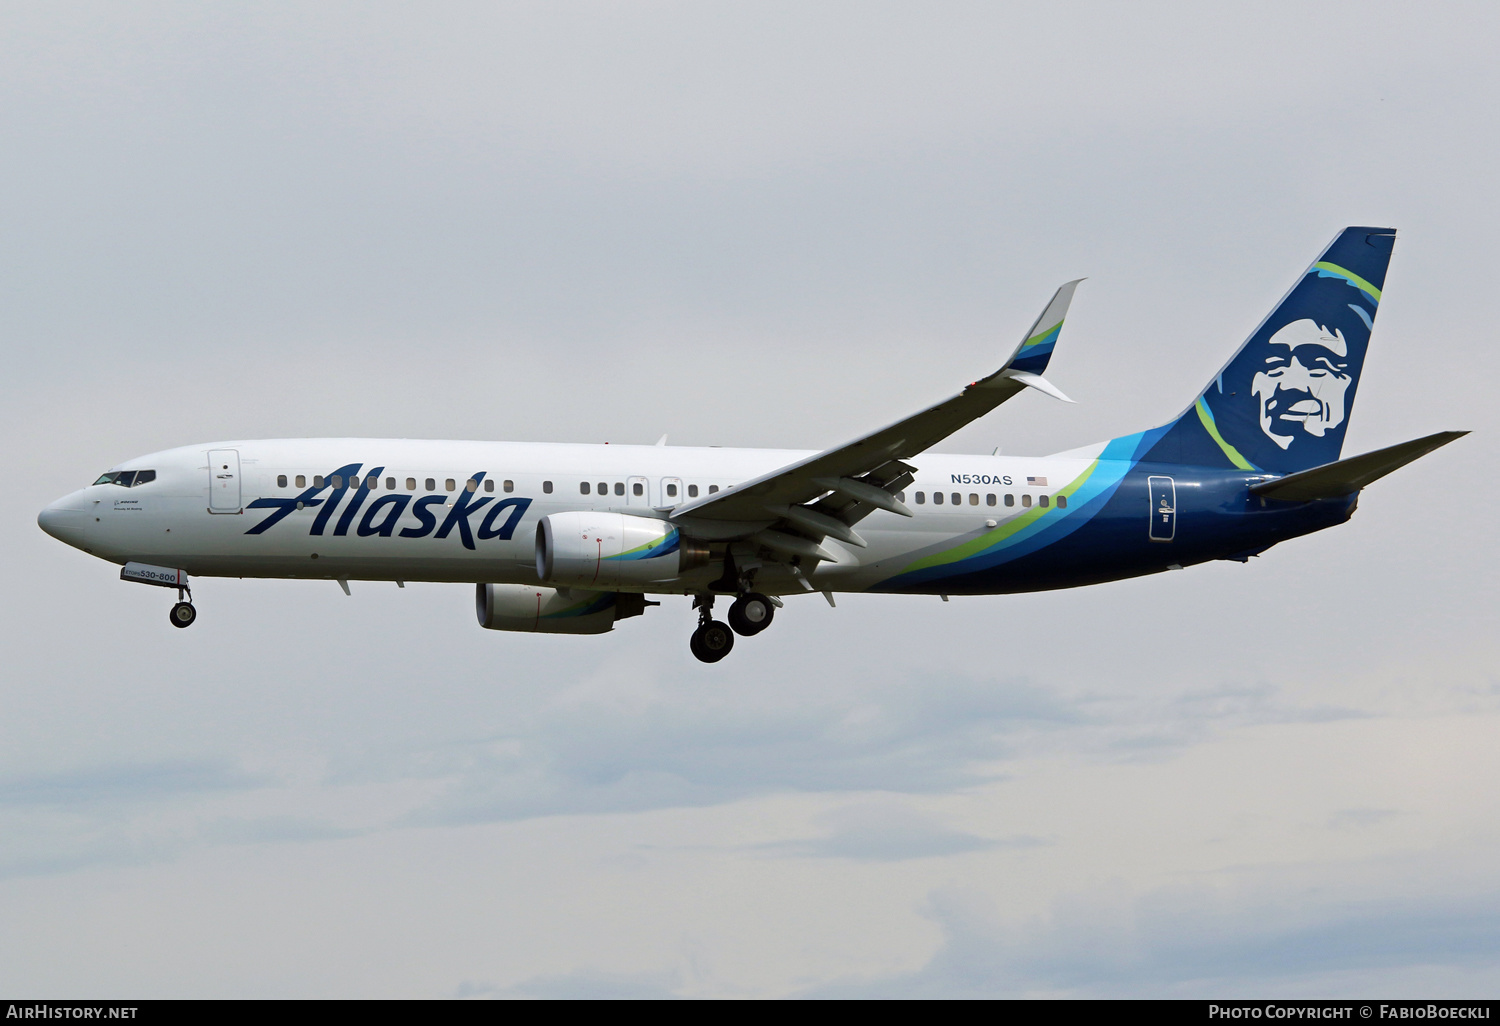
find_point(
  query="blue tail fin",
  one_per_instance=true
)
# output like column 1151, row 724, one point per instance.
column 1282, row 403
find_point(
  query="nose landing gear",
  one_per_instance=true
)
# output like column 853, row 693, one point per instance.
column 183, row 614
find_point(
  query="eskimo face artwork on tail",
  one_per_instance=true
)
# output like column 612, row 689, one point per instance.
column 1283, row 402
column 1302, row 388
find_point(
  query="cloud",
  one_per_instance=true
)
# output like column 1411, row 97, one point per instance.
column 1182, row 942
column 136, row 813
column 586, row 985
column 681, row 748
column 1355, row 818
column 889, row 832
column 126, row 783
column 272, row 830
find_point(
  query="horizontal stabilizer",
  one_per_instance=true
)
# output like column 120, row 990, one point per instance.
column 1335, row 480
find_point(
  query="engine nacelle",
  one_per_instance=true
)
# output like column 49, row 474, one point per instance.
column 612, row 550
column 519, row 607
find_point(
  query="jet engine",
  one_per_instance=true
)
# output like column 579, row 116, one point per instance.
column 612, row 550
column 519, row 607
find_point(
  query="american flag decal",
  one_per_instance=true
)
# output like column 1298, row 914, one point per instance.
column 1040, row 482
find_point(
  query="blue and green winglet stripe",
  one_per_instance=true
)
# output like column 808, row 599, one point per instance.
column 1036, row 351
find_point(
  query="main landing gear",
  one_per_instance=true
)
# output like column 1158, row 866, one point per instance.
column 750, row 614
column 713, row 639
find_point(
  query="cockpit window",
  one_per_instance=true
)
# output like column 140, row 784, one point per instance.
column 126, row 478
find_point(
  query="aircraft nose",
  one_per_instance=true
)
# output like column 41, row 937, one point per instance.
column 64, row 520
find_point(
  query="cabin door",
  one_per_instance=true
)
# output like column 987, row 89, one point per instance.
column 224, row 481
column 1163, row 508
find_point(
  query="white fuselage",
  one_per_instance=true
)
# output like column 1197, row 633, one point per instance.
column 199, row 515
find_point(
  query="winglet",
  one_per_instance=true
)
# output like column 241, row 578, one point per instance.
column 1035, row 350
column 1037, row 382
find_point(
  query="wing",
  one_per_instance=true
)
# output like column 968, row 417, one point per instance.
column 793, row 508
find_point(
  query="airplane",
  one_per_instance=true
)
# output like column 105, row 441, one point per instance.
column 572, row 538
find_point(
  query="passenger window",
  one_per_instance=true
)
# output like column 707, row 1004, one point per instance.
column 411, row 484
column 280, row 480
column 450, row 484
column 489, row 484
column 958, row 500
column 372, row 482
column 1042, row 501
column 510, row 486
column 671, row 491
column 1026, row 501
column 921, row 498
column 989, row 500
column 337, row 480
column 144, row 476
column 973, row 498
column 390, row 484
column 431, row 485
column 471, row 486
column 637, row 489
column 1062, row 502
column 619, row 487
column 583, row 488
column 712, row 489
column 692, row 491
column 317, row 480
column 900, row 496
column 547, row 487
column 301, row 480
column 1010, row 500
column 937, row 498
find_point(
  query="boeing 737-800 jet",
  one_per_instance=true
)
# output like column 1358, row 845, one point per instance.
column 569, row 539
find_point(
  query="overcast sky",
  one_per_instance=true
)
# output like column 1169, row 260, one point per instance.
column 754, row 224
